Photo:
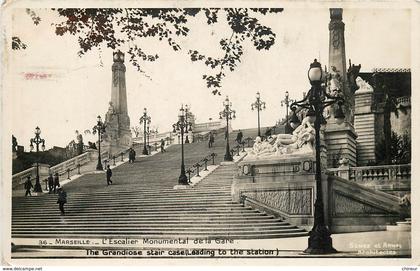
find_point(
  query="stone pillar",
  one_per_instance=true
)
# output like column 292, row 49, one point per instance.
column 340, row 139
column 341, row 142
column 337, row 48
column 117, row 136
column 364, row 124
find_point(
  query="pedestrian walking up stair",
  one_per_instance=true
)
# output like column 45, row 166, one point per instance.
column 141, row 203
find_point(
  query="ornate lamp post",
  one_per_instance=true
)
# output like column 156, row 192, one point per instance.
column 149, row 132
column 286, row 102
column 182, row 126
column 100, row 129
column 228, row 114
column 37, row 140
column 259, row 105
column 145, row 119
column 316, row 100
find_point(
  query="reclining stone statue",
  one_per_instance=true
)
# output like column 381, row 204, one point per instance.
column 300, row 141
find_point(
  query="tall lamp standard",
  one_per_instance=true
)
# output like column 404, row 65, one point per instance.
column 182, row 126
column 100, row 129
column 286, row 102
column 187, row 118
column 145, row 119
column 259, row 105
column 153, row 132
column 37, row 140
column 228, row 114
column 148, row 138
column 320, row 241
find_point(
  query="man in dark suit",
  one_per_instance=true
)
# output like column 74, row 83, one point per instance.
column 50, row 183
column 108, row 175
column 62, row 199
column 56, row 182
column 28, row 186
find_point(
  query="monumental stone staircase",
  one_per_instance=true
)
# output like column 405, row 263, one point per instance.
column 142, row 203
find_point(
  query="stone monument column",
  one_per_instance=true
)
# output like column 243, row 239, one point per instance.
column 340, row 139
column 117, row 136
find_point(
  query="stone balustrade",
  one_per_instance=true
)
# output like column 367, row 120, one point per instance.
column 67, row 167
column 395, row 179
column 373, row 173
column 19, row 179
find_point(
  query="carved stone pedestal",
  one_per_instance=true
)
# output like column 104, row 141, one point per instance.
column 341, row 143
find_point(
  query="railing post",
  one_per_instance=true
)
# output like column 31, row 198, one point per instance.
column 198, row 169
column 122, row 156
column 78, row 169
column 189, row 175
column 237, row 150
column 113, row 158
column 68, row 173
column 212, row 157
column 205, row 164
column 243, row 146
column 344, row 172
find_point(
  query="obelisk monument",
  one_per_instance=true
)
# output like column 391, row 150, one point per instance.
column 117, row 136
column 340, row 139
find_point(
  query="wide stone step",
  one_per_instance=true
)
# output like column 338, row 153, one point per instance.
column 135, row 203
column 252, row 235
column 156, row 231
column 224, row 196
column 141, row 208
column 130, row 192
column 166, row 223
column 154, row 227
column 151, row 211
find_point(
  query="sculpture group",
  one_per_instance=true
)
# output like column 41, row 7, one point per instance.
column 301, row 141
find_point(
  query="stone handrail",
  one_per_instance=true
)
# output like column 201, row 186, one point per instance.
column 373, row 173
column 20, row 177
column 63, row 168
column 81, row 160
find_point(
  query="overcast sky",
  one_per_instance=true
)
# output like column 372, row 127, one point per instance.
column 80, row 88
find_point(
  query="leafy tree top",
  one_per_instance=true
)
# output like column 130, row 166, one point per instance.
column 117, row 27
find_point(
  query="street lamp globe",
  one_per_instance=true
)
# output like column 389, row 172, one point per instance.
column 226, row 102
column 99, row 119
column 37, row 131
column 315, row 72
column 258, row 95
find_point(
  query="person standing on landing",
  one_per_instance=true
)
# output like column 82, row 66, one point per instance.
column 108, row 175
column 62, row 199
column 50, row 183
column 56, row 181
column 28, row 186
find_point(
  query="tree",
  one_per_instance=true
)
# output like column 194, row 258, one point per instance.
column 387, row 86
column 399, row 150
column 114, row 28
